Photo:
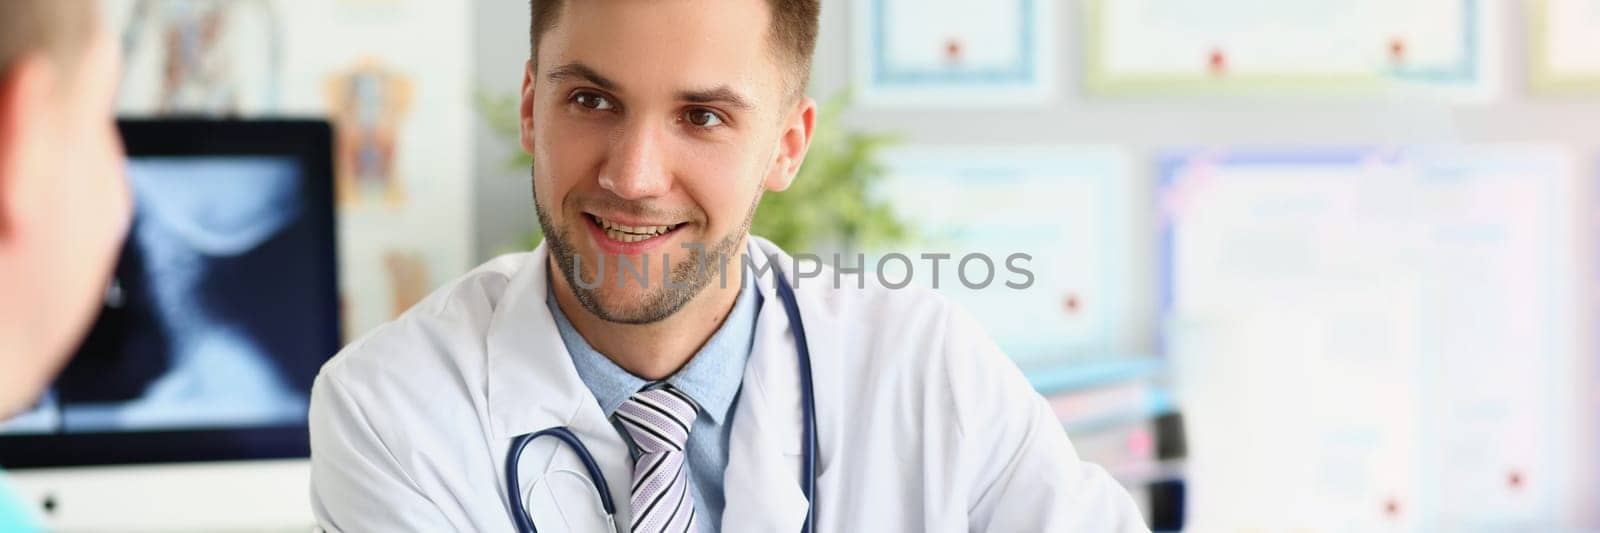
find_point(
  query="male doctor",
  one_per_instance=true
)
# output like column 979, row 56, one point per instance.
column 655, row 128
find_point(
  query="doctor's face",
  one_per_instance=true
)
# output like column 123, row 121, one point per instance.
column 654, row 125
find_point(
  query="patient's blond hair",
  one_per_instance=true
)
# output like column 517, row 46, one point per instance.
column 59, row 28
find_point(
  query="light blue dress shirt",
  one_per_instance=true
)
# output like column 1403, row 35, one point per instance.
column 711, row 378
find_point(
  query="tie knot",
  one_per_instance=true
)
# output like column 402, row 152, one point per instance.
column 658, row 419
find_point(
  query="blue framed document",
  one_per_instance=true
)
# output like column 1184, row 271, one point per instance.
column 1066, row 209
column 943, row 53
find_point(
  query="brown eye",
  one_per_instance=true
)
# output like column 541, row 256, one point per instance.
column 592, row 101
column 703, row 118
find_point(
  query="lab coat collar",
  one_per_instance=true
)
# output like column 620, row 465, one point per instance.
column 824, row 333
column 532, row 384
column 525, row 353
column 762, row 481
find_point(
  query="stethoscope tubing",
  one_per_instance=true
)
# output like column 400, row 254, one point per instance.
column 808, row 401
column 808, row 465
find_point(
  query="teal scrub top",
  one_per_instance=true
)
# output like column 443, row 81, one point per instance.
column 13, row 517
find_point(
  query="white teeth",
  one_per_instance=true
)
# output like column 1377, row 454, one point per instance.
column 628, row 237
column 630, row 233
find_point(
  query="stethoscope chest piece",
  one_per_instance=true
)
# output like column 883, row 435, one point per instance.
column 563, row 499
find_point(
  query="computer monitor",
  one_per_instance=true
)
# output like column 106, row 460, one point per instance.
column 223, row 307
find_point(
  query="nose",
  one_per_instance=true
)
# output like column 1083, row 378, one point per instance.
column 635, row 167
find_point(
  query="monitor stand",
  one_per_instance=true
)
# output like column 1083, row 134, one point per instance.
column 224, row 496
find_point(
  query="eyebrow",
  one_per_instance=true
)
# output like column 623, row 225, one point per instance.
column 579, row 70
column 722, row 94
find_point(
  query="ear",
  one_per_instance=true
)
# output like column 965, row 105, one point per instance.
column 526, row 109
column 25, row 91
column 793, row 144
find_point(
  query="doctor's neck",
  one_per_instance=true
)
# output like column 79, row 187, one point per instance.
column 654, row 351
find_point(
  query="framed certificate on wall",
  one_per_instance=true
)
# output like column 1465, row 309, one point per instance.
column 944, row 53
column 1052, row 226
column 1404, row 322
column 1300, row 46
column 1564, row 40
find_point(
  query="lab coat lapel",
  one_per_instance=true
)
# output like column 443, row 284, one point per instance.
column 531, row 381
column 533, row 385
column 762, row 481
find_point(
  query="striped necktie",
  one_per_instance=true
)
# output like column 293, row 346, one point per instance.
column 658, row 421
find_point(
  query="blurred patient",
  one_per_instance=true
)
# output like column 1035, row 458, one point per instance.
column 64, row 204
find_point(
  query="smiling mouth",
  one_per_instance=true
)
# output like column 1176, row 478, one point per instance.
column 631, row 234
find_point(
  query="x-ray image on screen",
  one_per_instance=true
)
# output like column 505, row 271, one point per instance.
column 218, row 314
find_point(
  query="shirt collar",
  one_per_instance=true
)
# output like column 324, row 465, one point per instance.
column 610, row 384
column 711, row 378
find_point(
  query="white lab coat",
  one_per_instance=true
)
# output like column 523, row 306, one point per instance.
column 923, row 424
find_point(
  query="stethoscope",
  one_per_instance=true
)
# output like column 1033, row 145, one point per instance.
column 808, row 465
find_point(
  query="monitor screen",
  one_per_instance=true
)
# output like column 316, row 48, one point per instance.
column 222, row 308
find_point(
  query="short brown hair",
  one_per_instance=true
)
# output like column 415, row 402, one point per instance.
column 793, row 33
column 60, row 28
